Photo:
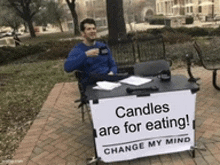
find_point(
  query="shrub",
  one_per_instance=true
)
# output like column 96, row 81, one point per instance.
column 159, row 21
column 49, row 50
column 215, row 32
column 8, row 54
column 196, row 31
column 183, row 30
column 176, row 37
column 58, row 50
column 177, row 52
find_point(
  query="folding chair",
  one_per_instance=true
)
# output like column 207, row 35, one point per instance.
column 82, row 100
column 152, row 68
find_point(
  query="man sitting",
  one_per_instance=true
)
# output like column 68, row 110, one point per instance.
column 89, row 56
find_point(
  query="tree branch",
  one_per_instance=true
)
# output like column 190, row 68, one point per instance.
column 7, row 22
column 20, row 13
column 31, row 15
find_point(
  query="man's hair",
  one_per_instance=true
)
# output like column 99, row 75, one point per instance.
column 87, row 20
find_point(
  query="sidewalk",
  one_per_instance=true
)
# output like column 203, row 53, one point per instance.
column 59, row 137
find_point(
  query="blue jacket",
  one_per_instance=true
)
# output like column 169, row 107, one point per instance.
column 77, row 60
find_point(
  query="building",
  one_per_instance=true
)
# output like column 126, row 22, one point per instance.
column 203, row 10
column 134, row 11
column 138, row 10
column 85, row 8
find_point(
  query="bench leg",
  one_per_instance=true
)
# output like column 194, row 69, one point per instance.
column 214, row 80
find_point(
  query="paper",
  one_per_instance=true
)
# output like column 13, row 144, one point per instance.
column 105, row 85
column 134, row 80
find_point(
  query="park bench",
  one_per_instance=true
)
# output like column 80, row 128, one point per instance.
column 128, row 52
column 123, row 52
column 211, row 59
column 151, row 48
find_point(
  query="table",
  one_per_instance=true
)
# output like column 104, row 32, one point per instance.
column 143, row 122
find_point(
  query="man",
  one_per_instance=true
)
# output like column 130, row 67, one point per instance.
column 90, row 57
column 17, row 40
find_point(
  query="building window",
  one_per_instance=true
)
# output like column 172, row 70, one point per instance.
column 171, row 6
column 200, row 9
column 158, row 9
column 191, row 8
column 175, row 2
column 87, row 3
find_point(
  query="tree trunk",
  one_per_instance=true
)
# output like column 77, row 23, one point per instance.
column 31, row 28
column 116, row 23
column 25, row 27
column 72, row 8
column 75, row 20
column 60, row 25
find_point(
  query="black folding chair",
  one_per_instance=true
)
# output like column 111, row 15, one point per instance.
column 83, row 103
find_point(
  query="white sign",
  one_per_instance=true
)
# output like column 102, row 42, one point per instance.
column 132, row 127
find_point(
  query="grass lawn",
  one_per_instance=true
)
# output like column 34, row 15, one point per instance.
column 24, row 88
column 42, row 37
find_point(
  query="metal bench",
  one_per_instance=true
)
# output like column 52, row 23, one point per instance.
column 123, row 52
column 211, row 59
column 128, row 52
column 151, row 48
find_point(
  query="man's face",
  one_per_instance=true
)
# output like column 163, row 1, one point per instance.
column 90, row 32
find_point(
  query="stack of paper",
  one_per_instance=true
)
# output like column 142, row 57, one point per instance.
column 134, row 80
column 105, row 85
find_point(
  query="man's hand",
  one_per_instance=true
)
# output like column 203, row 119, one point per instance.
column 92, row 52
column 110, row 73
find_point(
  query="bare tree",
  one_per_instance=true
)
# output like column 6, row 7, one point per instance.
column 116, row 23
column 26, row 9
column 55, row 13
column 10, row 18
column 72, row 7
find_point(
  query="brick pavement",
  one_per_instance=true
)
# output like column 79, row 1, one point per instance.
column 58, row 137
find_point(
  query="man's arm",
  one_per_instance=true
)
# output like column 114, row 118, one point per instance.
column 77, row 57
column 74, row 60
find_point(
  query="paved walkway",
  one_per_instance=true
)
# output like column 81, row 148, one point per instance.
column 58, row 137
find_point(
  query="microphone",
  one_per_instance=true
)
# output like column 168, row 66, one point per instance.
column 152, row 88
